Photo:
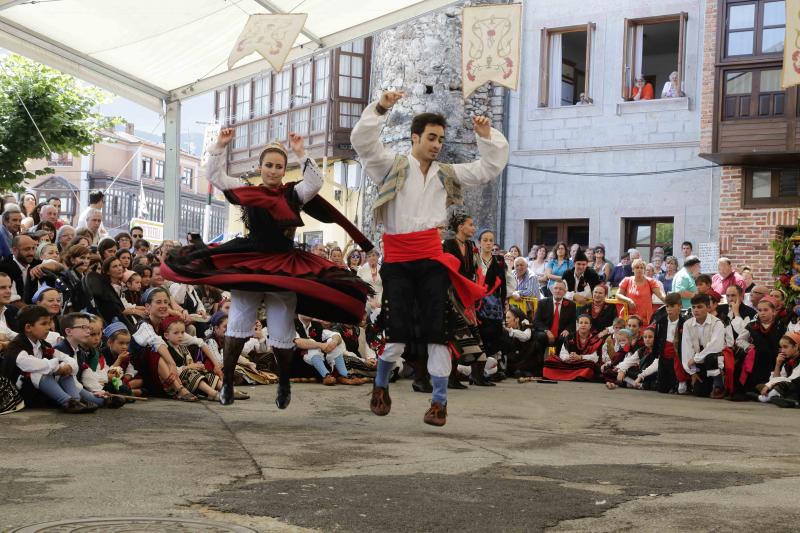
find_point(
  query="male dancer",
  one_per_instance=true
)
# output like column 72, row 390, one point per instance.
column 414, row 193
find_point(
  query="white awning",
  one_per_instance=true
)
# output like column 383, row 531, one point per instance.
column 153, row 51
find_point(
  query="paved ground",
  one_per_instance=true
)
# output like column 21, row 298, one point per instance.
column 567, row 457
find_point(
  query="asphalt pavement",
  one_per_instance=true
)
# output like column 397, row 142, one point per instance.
column 517, row 457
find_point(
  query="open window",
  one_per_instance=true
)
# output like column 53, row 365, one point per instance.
column 654, row 48
column 566, row 58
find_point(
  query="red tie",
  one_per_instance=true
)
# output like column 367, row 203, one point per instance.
column 556, row 317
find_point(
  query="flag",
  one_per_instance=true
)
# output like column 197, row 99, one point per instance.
column 790, row 75
column 490, row 46
column 143, row 211
column 272, row 36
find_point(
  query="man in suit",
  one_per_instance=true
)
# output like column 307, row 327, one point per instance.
column 23, row 250
column 580, row 280
column 554, row 319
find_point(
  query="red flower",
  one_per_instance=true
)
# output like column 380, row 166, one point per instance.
column 84, row 366
column 48, row 353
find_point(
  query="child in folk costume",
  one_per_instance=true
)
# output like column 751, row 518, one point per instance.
column 645, row 372
column 41, row 372
column 324, row 344
column 701, row 349
column 614, row 369
column 118, row 339
column 668, row 323
column 216, row 344
column 194, row 376
column 783, row 388
column 266, row 266
column 579, row 355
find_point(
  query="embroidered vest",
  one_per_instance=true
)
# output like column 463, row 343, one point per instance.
column 396, row 178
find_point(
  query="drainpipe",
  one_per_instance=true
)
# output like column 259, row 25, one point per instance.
column 501, row 230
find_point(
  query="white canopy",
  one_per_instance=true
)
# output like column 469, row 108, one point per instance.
column 155, row 51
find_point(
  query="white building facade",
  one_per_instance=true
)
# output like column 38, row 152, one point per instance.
column 596, row 50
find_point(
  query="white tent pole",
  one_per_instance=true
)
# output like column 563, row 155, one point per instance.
column 172, row 171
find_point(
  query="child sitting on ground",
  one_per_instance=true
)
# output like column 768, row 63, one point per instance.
column 330, row 347
column 118, row 338
column 645, row 372
column 32, row 365
column 614, row 369
column 783, row 388
column 193, row 376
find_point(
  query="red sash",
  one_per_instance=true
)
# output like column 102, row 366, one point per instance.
column 406, row 247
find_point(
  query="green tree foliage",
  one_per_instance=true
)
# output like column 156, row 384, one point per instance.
column 63, row 107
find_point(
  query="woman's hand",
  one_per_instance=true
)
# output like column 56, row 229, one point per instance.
column 297, row 144
column 225, row 137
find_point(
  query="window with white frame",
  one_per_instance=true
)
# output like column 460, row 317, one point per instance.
column 261, row 96
column 242, row 101
column 565, row 61
column 159, row 169
column 319, row 118
column 302, row 84
column 299, row 121
column 187, row 177
column 322, row 76
column 258, row 133
column 654, row 49
column 147, row 167
column 281, row 89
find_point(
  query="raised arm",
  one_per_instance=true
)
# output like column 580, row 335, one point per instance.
column 312, row 177
column 215, row 167
column 493, row 150
column 366, row 137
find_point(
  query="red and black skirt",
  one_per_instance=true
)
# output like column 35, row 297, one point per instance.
column 324, row 289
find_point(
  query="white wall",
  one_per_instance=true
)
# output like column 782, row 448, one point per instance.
column 609, row 136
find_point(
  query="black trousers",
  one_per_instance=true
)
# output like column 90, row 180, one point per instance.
column 667, row 381
column 704, row 388
column 414, row 307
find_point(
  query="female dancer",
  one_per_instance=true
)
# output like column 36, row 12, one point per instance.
column 265, row 265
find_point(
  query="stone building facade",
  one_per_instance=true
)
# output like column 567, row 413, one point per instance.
column 751, row 130
column 570, row 157
column 423, row 58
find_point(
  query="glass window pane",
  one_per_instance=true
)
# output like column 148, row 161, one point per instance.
column 738, row 82
column 740, row 43
column 356, row 64
column 762, row 184
column 344, row 86
column 358, row 46
column 772, row 40
column 643, row 235
column 774, row 14
column 355, row 87
column 740, row 17
column 664, row 233
column 770, row 81
column 344, row 65
column 789, row 184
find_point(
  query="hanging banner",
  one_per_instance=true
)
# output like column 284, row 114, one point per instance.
column 272, row 36
column 490, row 46
column 790, row 75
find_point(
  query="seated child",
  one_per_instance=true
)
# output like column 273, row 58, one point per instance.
column 614, row 369
column 123, row 378
column 783, row 388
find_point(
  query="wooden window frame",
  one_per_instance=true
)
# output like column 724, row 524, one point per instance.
column 758, row 28
column 748, row 202
column 632, row 223
column 754, row 95
column 249, row 113
column 630, row 45
column 149, row 173
column 562, row 229
column 544, row 59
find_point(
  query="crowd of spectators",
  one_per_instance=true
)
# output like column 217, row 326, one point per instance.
column 87, row 321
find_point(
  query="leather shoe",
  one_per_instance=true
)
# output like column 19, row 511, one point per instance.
column 380, row 403
column 329, row 380
column 226, row 394
column 782, row 402
column 481, row 382
column 717, row 394
column 113, row 402
column 422, row 385
column 283, row 396
column 347, row 380
column 89, row 407
column 454, row 383
column 436, row 414
column 75, row 407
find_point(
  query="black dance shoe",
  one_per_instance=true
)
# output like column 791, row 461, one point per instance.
column 284, row 396
column 226, row 393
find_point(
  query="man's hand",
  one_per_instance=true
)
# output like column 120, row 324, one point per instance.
column 550, row 337
column 565, row 333
column 225, row 137
column 389, row 98
column 580, row 299
column 297, row 144
column 483, row 127
column 36, row 272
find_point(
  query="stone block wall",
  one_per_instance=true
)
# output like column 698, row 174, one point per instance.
column 746, row 234
column 423, row 58
column 707, row 100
